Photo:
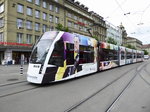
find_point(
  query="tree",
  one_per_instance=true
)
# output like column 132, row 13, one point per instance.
column 60, row 27
column 111, row 41
column 145, row 52
column 130, row 46
column 95, row 37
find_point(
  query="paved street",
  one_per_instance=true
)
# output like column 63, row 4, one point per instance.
column 11, row 73
column 109, row 91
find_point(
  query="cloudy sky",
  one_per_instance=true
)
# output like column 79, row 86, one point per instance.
column 133, row 14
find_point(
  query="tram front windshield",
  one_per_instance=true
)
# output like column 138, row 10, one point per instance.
column 41, row 49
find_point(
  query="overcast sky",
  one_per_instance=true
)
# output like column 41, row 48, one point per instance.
column 133, row 14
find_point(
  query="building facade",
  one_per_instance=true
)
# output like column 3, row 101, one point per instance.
column 22, row 22
column 79, row 20
column 114, row 32
column 124, row 35
column 134, row 42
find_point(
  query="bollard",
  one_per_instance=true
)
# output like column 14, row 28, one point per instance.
column 22, row 63
column 21, row 70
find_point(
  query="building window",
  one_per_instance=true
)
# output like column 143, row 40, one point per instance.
column 1, row 22
column 29, row 0
column 57, row 9
column 69, row 15
column 51, row 8
column 19, row 23
column 69, row 24
column 44, row 16
column 1, row 7
column 20, row 8
column 75, row 17
column 29, row 39
column 85, row 22
column 44, row 28
column 19, row 37
column 56, row 20
column 51, row 28
column 51, row 18
column 85, row 29
column 44, row 4
column 75, row 26
column 37, row 2
column 29, row 25
column 1, row 37
column 29, row 11
column 36, row 38
column 37, row 26
column 37, row 14
column 81, row 20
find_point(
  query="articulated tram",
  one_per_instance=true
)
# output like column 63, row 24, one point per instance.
column 61, row 56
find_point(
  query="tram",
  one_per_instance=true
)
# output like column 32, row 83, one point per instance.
column 59, row 56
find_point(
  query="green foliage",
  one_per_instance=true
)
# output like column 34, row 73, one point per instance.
column 145, row 52
column 60, row 27
column 66, row 29
column 111, row 41
column 95, row 37
column 130, row 46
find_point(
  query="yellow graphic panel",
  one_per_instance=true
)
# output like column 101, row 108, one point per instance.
column 60, row 72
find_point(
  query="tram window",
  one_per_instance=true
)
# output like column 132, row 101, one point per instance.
column 57, row 57
column 86, row 54
column 122, row 55
column 103, row 55
column 111, row 55
column 134, row 55
column 70, row 54
column 129, row 55
column 115, row 55
column 138, row 55
column 107, row 54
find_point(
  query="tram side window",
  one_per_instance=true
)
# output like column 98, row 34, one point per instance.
column 134, row 55
column 104, row 55
column 70, row 54
column 129, row 55
column 138, row 55
column 122, row 55
column 111, row 55
column 115, row 55
column 107, row 55
column 86, row 54
column 57, row 57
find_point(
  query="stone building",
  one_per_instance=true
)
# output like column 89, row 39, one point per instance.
column 134, row 42
column 114, row 32
column 22, row 22
column 124, row 35
column 80, row 20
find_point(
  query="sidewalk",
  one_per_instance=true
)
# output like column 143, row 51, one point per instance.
column 11, row 74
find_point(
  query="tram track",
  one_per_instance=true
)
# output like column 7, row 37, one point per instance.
column 13, row 83
column 147, row 73
column 76, row 105
column 137, row 72
column 9, row 94
column 16, row 88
